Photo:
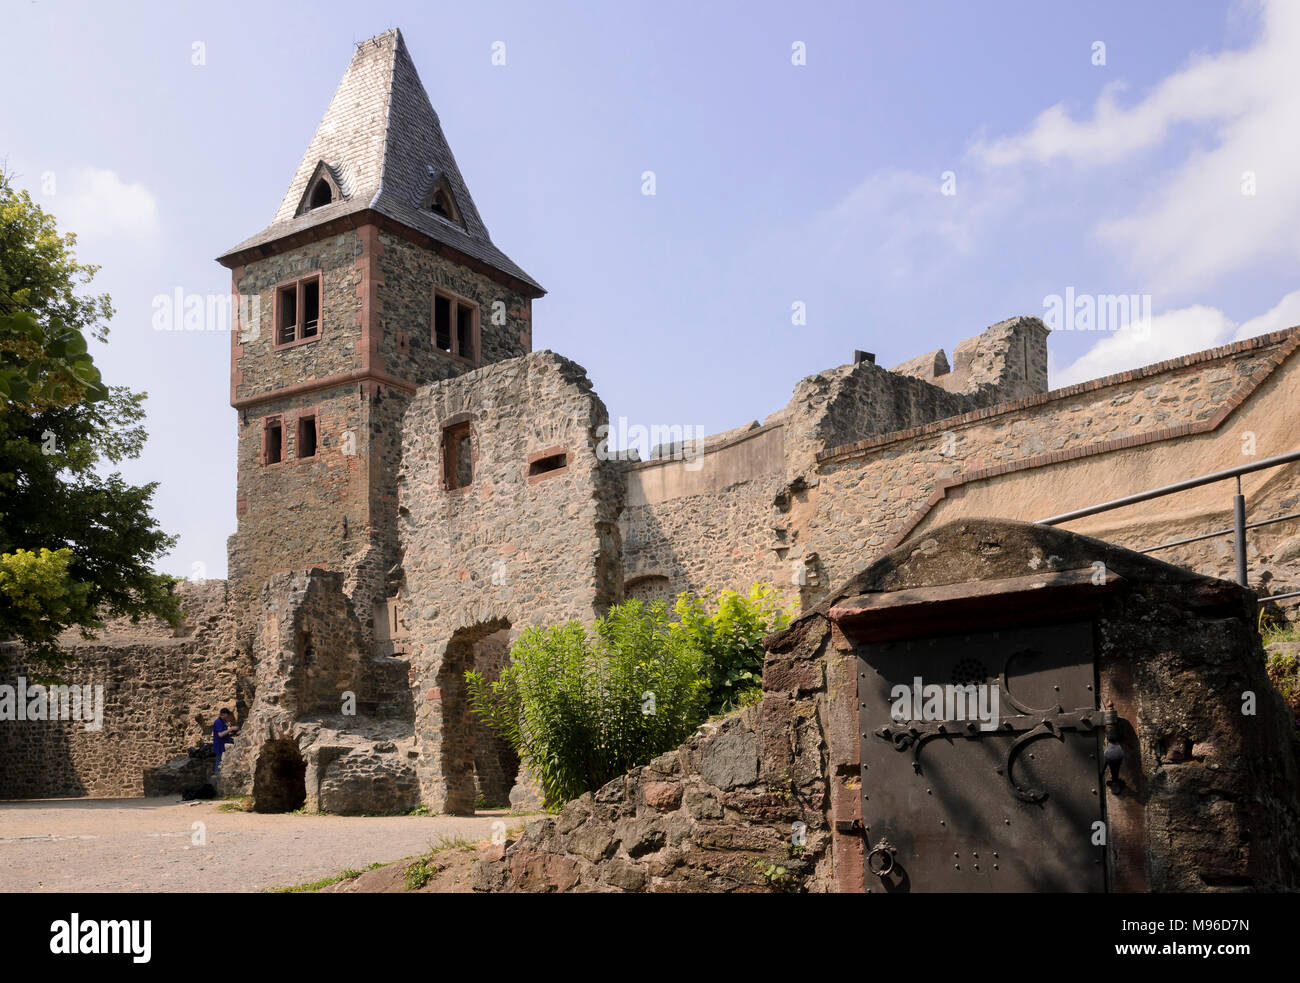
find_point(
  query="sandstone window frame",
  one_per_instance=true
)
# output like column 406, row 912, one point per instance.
column 458, row 439
column 306, row 416
column 540, row 464
column 457, row 304
column 297, row 286
column 273, row 439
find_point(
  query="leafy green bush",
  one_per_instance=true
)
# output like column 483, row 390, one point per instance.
column 581, row 710
column 731, row 638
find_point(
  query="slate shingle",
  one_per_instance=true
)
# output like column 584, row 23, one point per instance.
column 380, row 137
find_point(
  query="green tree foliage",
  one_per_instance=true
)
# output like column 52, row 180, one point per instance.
column 76, row 546
column 729, row 629
column 581, row 709
column 43, row 318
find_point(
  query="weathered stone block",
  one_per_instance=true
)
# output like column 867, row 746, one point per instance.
column 663, row 796
column 592, row 841
column 729, row 759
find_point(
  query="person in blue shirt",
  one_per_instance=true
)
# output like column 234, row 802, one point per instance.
column 222, row 735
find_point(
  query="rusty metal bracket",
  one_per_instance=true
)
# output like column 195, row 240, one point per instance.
column 1030, row 726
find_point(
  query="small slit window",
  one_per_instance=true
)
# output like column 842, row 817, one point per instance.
column 310, row 308
column 288, row 326
column 455, row 326
column 273, row 441
column 457, row 456
column 442, row 322
column 297, row 311
column 306, row 436
column 545, row 465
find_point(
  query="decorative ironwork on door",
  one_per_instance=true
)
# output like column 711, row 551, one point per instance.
column 981, row 764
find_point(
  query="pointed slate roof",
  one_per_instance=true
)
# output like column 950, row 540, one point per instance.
column 381, row 140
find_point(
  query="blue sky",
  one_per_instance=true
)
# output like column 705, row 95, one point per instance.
column 1168, row 172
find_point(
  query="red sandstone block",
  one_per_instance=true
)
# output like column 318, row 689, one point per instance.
column 663, row 796
column 787, row 674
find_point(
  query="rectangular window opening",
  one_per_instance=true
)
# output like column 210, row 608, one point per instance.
column 307, row 436
column 310, row 307
column 287, row 329
column 274, row 441
column 544, row 465
column 457, row 456
column 465, row 331
column 297, row 311
column 442, row 322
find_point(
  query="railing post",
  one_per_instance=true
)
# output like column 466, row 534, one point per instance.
column 1239, row 533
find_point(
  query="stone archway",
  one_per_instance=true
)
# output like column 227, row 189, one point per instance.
column 279, row 778
column 459, row 728
column 496, row 765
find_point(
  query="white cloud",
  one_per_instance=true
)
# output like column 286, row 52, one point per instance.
column 1285, row 314
column 900, row 226
column 1179, row 332
column 101, row 208
column 1197, row 224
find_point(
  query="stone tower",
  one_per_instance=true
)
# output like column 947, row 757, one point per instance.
column 375, row 276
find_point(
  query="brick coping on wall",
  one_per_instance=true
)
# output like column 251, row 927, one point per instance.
column 834, row 455
column 1289, row 339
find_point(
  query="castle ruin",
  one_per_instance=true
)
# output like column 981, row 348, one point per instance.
column 416, row 485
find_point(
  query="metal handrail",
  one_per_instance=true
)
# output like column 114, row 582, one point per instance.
column 1239, row 525
column 1219, row 532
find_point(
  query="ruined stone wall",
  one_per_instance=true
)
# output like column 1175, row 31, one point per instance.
column 1070, row 448
column 1210, row 797
column 331, row 725
column 507, row 551
column 162, row 690
column 723, row 521
column 706, row 523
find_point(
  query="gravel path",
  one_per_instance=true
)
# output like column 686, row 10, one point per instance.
column 146, row 844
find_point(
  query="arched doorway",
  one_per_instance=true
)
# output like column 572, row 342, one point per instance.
column 279, row 779
column 462, row 736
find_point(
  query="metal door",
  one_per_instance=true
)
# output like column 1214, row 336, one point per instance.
column 950, row 803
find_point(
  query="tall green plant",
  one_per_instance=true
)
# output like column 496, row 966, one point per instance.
column 729, row 630
column 580, row 710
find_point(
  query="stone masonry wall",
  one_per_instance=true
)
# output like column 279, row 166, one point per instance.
column 1210, row 800
column 302, row 512
column 335, row 350
column 868, row 496
column 508, row 550
column 704, row 541
column 737, row 532
column 324, row 701
column 162, row 690
column 410, row 275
